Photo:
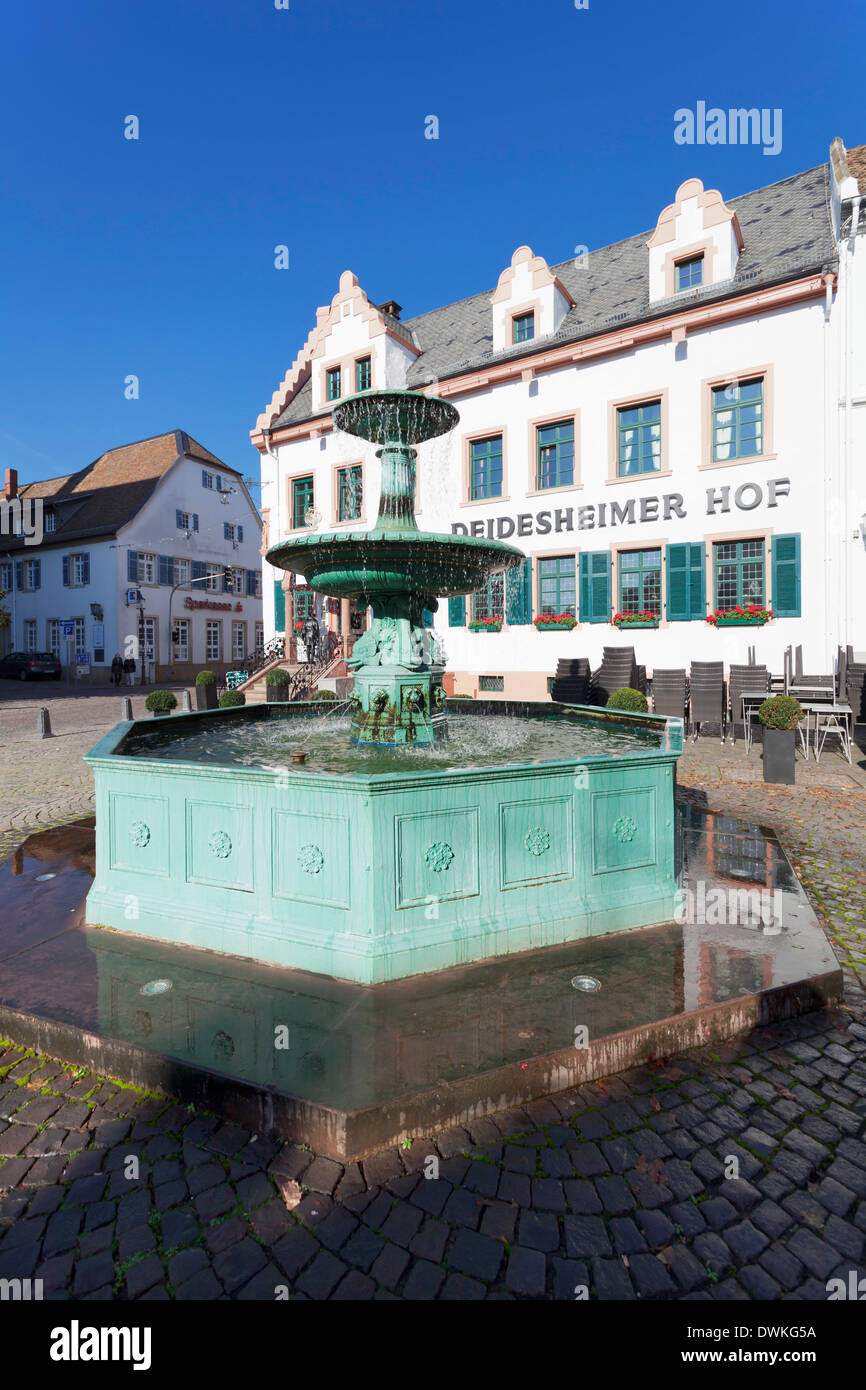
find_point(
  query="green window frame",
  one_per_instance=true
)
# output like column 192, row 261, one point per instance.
column 350, row 492
column 690, row 273
column 363, row 373
column 639, row 439
column 738, row 420
column 739, row 573
column 557, row 585
column 304, row 605
column 489, row 602
column 554, row 452
column 335, row 384
column 640, row 581
column 485, row 467
column 523, row 327
column 302, row 499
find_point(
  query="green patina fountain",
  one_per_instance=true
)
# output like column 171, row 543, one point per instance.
column 398, row 571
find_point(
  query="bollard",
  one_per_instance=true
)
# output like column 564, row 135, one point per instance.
column 185, row 705
column 44, row 723
column 126, row 708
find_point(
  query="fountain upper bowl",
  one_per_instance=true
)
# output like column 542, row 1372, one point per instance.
column 395, row 417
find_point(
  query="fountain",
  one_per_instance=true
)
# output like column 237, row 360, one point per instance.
column 399, row 851
column 397, row 570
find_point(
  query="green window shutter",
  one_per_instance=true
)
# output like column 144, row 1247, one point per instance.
column 786, row 576
column 279, row 607
column 595, row 586
column 518, row 594
column 686, row 589
column 426, row 617
column 457, row 612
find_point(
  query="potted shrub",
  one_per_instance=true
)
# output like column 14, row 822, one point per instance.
column 323, row 695
column 160, row 702
column 642, row 619
column 780, row 716
column 230, row 699
column 277, row 685
column 205, row 690
column 553, row 622
column 628, row 699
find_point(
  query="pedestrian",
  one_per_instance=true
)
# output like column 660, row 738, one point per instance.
column 311, row 638
column 129, row 670
column 117, row 669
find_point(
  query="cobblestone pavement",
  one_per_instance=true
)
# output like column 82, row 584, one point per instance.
column 620, row 1188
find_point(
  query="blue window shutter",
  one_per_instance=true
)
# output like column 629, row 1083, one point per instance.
column 85, row 567
column 65, row 572
column 37, row 574
column 178, row 516
column 457, row 611
column 240, row 533
column 199, row 569
column 279, row 606
column 131, row 567
column 195, row 521
column 518, row 594
column 204, row 477
column 786, row 576
column 251, row 583
column 227, row 535
column 595, row 586
column 19, row 573
column 166, row 569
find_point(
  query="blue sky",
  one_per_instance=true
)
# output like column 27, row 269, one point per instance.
column 305, row 127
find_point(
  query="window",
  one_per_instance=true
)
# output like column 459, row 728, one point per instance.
column 491, row 683
column 184, row 521
column 146, row 569
column 50, row 519
column 31, row 575
column 239, row 641
column 738, row 420
column 334, row 383
column 489, row 602
column 739, row 573
column 258, row 584
column 556, row 585
column 6, row 577
column 305, row 605
column 640, row 581
column 485, row 468
column 363, row 374
column 234, row 580
column 302, row 501
column 213, row 641
column 54, row 636
column 523, row 327
column 80, row 636
column 349, row 493
column 260, row 638
column 639, row 439
column 76, row 570
column 214, row 581
column 232, row 533
column 180, row 638
column 30, row 635
column 181, row 571
column 690, row 273
column 211, row 480
column 555, row 454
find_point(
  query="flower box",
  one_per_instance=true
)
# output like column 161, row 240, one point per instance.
column 485, row 627
column 555, row 622
column 740, row 622
column 635, row 620
column 750, row 616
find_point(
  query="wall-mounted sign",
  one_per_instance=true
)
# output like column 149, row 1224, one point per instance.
column 67, row 627
column 133, row 596
column 209, row 603
column 600, row 515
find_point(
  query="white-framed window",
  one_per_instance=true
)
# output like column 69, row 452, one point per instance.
column 260, row 638
column 146, row 569
column 50, row 521
column 53, row 636
column 237, row 580
column 213, row 641
column 211, row 480
column 80, row 636
column 181, row 644
column 214, row 579
column 31, row 576
column 184, row 521
column 239, row 641
column 80, row 566
column 181, row 571
column 258, row 583
column 6, row 577
column 30, row 635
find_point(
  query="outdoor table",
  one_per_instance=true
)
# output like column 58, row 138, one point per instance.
column 835, row 713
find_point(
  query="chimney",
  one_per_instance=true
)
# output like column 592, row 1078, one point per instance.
column 10, row 488
column 391, row 307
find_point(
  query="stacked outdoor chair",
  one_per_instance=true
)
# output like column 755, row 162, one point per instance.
column 618, row 668
column 670, row 693
column 855, row 686
column 740, row 680
column 571, row 682
column 707, row 696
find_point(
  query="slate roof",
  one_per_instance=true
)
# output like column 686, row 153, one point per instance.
column 787, row 232
column 106, row 494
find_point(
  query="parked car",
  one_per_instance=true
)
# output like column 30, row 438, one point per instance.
column 25, row 666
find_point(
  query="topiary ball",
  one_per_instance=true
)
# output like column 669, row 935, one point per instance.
column 628, row 699
column 230, row 699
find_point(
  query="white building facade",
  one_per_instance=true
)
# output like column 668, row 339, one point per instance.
column 673, row 425
column 152, row 552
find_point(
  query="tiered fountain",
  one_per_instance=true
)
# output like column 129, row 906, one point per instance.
column 398, row 851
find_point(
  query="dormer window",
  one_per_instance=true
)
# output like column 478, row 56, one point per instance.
column 363, row 374
column 690, row 273
column 523, row 327
column 334, row 384
column 50, row 521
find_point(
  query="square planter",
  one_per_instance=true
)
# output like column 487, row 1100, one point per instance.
column 638, row 622
column 485, row 629
column 740, row 622
column 779, row 747
column 277, row 693
column 554, row 627
column 206, row 697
